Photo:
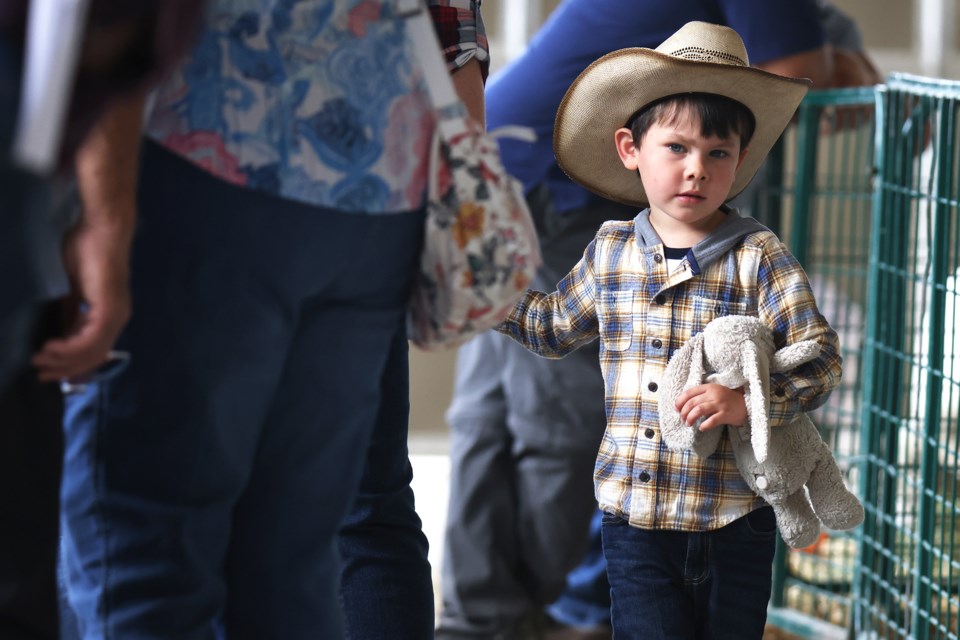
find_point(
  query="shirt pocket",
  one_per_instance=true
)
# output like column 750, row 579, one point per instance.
column 616, row 321
column 706, row 309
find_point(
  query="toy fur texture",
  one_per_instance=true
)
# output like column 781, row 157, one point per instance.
column 780, row 463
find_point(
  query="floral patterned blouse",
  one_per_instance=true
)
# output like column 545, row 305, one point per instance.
column 320, row 101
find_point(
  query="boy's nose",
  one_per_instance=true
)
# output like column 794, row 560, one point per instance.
column 696, row 170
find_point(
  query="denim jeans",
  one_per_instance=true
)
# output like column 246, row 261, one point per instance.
column 682, row 586
column 206, row 483
column 387, row 586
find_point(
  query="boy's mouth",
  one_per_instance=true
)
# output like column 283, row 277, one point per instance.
column 691, row 194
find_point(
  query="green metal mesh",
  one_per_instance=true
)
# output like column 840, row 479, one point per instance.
column 909, row 561
column 818, row 196
column 864, row 189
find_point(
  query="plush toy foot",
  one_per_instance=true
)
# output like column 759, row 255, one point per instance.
column 834, row 504
column 799, row 535
column 844, row 512
column 798, row 525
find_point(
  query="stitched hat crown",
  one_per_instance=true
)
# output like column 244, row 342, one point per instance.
column 703, row 42
column 699, row 54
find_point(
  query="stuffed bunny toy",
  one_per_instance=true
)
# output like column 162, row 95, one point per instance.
column 777, row 464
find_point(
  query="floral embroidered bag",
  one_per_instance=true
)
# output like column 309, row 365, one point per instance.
column 480, row 246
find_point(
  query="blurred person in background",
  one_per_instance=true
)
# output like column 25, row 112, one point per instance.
column 63, row 309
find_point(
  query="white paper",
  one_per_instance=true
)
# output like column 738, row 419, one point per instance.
column 54, row 36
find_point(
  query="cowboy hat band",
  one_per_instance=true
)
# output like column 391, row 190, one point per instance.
column 698, row 58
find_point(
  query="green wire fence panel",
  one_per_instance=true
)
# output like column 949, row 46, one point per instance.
column 864, row 188
column 818, row 196
column 908, row 569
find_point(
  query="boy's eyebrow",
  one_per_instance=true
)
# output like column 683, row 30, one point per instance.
column 673, row 133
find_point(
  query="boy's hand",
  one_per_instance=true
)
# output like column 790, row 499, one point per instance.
column 714, row 402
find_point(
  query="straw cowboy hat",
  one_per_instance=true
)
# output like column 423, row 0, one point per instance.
column 701, row 58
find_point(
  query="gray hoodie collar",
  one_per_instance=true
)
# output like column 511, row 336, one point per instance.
column 723, row 238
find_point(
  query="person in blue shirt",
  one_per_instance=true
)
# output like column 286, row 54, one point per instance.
column 525, row 430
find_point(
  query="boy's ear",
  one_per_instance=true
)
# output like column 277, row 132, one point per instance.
column 743, row 155
column 626, row 149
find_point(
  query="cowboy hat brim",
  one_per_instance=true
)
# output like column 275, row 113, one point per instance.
column 619, row 84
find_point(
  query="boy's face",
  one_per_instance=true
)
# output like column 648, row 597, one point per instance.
column 686, row 176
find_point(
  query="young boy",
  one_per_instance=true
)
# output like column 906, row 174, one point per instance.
column 682, row 128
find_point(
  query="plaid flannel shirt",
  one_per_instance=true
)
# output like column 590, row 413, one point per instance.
column 461, row 32
column 621, row 291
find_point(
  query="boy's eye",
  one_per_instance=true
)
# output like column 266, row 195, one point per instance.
column 676, row 148
column 719, row 153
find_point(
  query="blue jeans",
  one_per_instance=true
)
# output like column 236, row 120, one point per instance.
column 677, row 585
column 387, row 586
column 206, row 484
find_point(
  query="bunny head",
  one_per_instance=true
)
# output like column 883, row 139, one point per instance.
column 740, row 349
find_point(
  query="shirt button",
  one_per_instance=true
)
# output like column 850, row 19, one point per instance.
column 652, row 386
column 718, row 309
column 658, row 258
column 644, row 476
column 657, row 343
column 660, row 299
column 779, row 392
column 649, row 433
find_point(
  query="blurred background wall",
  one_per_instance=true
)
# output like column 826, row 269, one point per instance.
column 914, row 36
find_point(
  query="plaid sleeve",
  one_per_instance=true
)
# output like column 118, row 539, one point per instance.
column 788, row 305
column 553, row 325
column 461, row 32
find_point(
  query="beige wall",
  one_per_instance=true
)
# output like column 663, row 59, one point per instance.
column 884, row 23
column 431, row 385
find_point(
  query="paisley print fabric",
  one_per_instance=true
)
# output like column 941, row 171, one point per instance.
column 319, row 101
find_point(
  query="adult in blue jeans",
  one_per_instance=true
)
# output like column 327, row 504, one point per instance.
column 254, row 448
column 524, row 430
column 125, row 47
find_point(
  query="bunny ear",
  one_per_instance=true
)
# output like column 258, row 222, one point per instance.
column 794, row 355
column 683, row 365
column 697, row 364
column 756, row 370
column 677, row 375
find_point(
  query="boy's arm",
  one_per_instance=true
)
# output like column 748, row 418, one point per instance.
column 552, row 325
column 788, row 306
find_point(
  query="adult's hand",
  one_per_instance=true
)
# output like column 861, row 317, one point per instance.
column 99, row 304
column 97, row 250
